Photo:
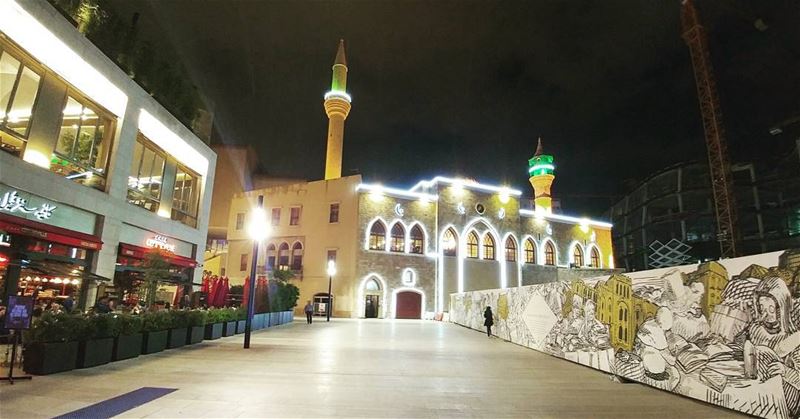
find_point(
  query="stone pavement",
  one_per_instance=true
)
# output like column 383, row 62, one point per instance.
column 353, row 368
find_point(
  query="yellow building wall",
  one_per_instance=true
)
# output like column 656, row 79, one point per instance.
column 313, row 230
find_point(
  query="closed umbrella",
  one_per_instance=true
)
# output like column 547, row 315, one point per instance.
column 212, row 294
column 246, row 291
column 206, row 284
column 222, row 292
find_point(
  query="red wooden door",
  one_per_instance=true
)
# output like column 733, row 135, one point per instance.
column 409, row 305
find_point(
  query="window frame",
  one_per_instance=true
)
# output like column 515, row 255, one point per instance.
column 397, row 241
column 294, row 264
column 243, row 262
column 577, row 256
column 191, row 217
column 25, row 61
column 530, row 253
column 594, row 256
column 377, row 241
column 294, row 219
column 450, row 233
column 472, row 245
column 157, row 151
column 284, row 266
column 549, row 254
column 511, row 251
column 489, row 247
column 273, row 220
column 416, row 243
column 331, row 212
column 240, row 216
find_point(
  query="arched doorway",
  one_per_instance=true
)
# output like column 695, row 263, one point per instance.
column 372, row 299
column 408, row 305
column 321, row 304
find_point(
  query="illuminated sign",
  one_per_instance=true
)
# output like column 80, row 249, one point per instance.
column 160, row 242
column 12, row 202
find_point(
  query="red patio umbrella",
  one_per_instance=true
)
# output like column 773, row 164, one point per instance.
column 178, row 296
column 246, row 291
column 212, row 294
column 206, row 284
column 222, row 292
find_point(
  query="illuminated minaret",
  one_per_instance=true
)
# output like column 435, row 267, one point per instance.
column 540, row 170
column 337, row 106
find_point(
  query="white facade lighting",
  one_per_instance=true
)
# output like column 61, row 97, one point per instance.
column 504, row 196
column 338, row 94
column 170, row 142
column 396, row 192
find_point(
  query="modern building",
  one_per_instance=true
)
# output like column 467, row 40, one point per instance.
column 93, row 171
column 668, row 219
column 400, row 253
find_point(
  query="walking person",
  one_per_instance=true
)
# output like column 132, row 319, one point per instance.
column 309, row 310
column 488, row 321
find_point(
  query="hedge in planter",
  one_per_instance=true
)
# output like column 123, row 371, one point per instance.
column 215, row 323
column 51, row 345
column 178, row 331
column 97, row 341
column 128, row 344
column 155, row 331
column 197, row 323
column 241, row 320
column 231, row 316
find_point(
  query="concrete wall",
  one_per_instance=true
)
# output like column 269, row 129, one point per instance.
column 651, row 327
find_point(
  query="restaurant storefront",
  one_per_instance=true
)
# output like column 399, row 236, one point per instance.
column 46, row 248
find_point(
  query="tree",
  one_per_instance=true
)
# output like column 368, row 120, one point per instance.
column 156, row 268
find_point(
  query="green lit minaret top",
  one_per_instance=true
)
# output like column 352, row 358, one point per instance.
column 540, row 163
column 339, row 82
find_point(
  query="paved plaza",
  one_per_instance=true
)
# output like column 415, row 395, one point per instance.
column 353, row 368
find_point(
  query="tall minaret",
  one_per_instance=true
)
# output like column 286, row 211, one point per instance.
column 540, row 170
column 337, row 106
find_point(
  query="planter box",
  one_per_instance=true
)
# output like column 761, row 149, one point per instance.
column 258, row 322
column 127, row 346
column 177, row 337
column 195, row 335
column 94, row 352
column 49, row 358
column 273, row 319
column 214, row 331
column 153, row 342
column 229, row 329
column 240, row 324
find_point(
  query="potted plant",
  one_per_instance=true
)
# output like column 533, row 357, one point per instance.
column 197, row 323
column 96, row 344
column 214, row 323
column 154, row 331
column 230, row 322
column 51, row 345
column 241, row 319
column 179, row 328
column 128, row 343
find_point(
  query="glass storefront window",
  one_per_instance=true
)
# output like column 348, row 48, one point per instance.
column 146, row 175
column 185, row 199
column 19, row 87
column 83, row 145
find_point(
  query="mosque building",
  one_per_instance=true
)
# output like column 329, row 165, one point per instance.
column 400, row 253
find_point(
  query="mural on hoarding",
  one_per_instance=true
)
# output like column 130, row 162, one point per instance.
column 726, row 332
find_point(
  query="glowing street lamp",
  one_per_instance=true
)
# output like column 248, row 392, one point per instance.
column 258, row 230
column 331, row 273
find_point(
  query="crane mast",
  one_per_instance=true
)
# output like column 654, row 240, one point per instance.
column 719, row 166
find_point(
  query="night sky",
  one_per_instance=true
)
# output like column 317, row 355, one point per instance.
column 464, row 88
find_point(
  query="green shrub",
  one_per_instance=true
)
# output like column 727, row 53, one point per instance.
column 241, row 313
column 180, row 318
column 157, row 321
column 101, row 326
column 130, row 324
column 60, row 327
column 221, row 315
column 196, row 317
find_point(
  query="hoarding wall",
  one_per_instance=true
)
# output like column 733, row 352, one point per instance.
column 722, row 332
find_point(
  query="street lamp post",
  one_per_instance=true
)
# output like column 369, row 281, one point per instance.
column 258, row 231
column 331, row 273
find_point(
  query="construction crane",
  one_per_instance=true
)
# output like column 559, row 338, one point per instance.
column 719, row 166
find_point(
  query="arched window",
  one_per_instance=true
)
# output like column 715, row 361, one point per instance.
column 417, row 240
column 271, row 256
column 595, row 255
column 398, row 241
column 283, row 256
column 488, row 247
column 377, row 236
column 472, row 245
column 450, row 243
column 297, row 256
column 511, row 249
column 549, row 253
column 530, row 251
column 372, row 285
column 577, row 256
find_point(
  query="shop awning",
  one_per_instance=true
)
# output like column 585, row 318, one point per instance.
column 61, row 269
column 24, row 227
column 138, row 252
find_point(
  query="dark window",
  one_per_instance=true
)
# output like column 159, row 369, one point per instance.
column 530, row 251
column 450, row 243
column 595, row 258
column 577, row 256
column 276, row 217
column 417, row 240
column 333, row 216
column 186, row 197
column 549, row 254
column 294, row 216
column 271, row 256
column 377, row 236
column 472, row 245
column 488, row 247
column 243, row 263
column 398, row 240
column 332, row 255
column 511, row 250
column 240, row 221
column 297, row 256
column 146, row 175
column 283, row 256
column 19, row 87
